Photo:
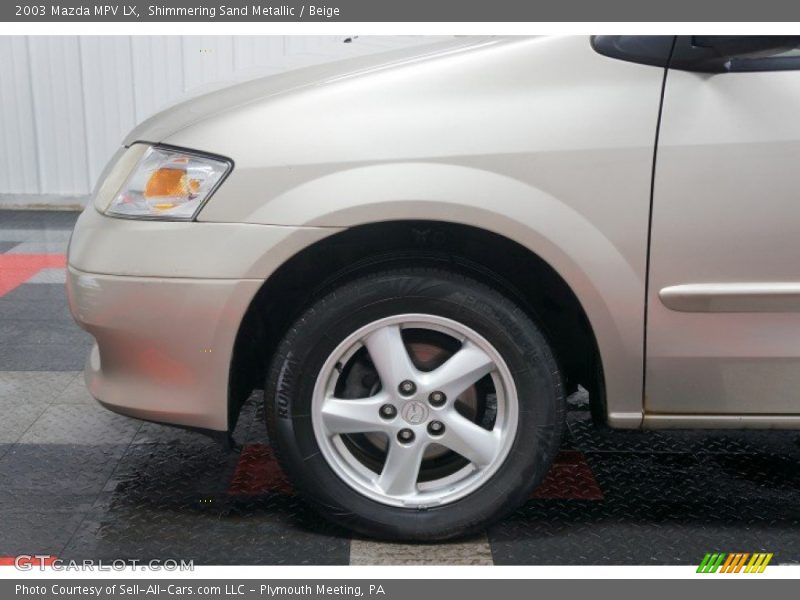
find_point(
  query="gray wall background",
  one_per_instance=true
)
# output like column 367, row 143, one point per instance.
column 66, row 102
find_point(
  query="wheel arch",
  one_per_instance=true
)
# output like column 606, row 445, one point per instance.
column 474, row 251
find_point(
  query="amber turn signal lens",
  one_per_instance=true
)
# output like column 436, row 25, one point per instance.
column 167, row 182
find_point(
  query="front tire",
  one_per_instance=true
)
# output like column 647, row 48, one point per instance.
column 415, row 404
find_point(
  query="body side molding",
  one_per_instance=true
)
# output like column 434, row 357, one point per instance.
column 732, row 297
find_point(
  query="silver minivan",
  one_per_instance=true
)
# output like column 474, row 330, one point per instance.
column 418, row 256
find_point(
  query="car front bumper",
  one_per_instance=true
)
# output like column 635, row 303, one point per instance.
column 164, row 302
column 162, row 346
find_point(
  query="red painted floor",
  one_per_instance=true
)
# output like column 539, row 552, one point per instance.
column 16, row 269
column 258, row 473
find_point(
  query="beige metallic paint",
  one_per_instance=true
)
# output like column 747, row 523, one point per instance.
column 723, row 324
column 179, row 249
column 540, row 140
column 164, row 302
column 163, row 345
column 548, row 144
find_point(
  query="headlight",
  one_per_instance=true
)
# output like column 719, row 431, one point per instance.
column 168, row 184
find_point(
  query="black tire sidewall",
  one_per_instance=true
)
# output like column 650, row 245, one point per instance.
column 321, row 329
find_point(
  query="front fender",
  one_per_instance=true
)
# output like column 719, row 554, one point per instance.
column 607, row 285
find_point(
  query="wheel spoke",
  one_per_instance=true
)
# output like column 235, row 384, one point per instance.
column 404, row 418
column 354, row 416
column 401, row 469
column 461, row 370
column 471, row 441
column 390, row 356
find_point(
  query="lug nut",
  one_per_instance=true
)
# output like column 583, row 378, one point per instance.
column 437, row 399
column 436, row 428
column 407, row 387
column 405, row 436
column 387, row 411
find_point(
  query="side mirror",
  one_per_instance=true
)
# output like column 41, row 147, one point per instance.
column 722, row 53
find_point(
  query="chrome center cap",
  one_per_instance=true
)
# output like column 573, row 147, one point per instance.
column 414, row 412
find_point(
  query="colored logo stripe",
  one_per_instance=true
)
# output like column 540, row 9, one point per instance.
column 711, row 563
column 734, row 562
column 758, row 563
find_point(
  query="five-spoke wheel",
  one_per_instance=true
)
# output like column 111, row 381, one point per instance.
column 460, row 403
column 414, row 404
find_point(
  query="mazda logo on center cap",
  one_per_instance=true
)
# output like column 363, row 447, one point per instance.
column 414, row 413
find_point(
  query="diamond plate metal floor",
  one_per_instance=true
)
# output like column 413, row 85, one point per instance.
column 79, row 482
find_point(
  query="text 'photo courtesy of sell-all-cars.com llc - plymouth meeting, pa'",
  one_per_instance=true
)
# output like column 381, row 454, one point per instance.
column 418, row 256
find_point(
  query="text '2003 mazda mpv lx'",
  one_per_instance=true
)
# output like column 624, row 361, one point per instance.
column 419, row 255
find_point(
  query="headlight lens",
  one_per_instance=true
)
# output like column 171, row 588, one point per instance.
column 168, row 184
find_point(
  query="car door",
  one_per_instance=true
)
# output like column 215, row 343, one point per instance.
column 723, row 314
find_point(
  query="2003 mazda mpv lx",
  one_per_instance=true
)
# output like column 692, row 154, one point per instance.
column 419, row 255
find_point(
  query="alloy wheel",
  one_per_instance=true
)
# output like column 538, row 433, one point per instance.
column 415, row 410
